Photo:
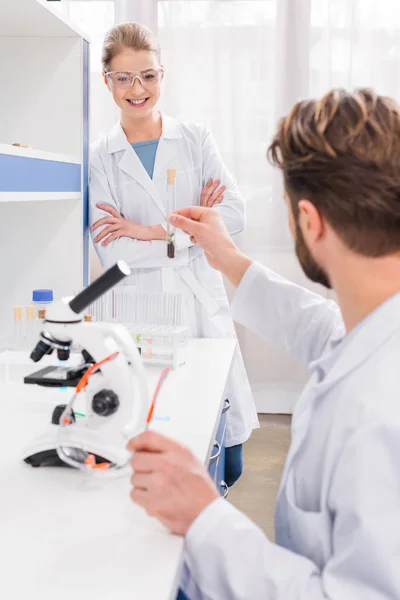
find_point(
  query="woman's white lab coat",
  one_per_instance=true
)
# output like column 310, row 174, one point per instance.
column 118, row 178
column 338, row 508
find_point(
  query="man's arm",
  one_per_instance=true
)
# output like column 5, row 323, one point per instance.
column 293, row 318
column 299, row 321
column 228, row 556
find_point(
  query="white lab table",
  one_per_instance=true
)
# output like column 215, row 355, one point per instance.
column 65, row 535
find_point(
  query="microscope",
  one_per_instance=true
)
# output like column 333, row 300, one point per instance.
column 111, row 378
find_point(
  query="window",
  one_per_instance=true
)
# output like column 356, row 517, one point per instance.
column 220, row 69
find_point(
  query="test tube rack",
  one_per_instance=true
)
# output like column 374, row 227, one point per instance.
column 153, row 319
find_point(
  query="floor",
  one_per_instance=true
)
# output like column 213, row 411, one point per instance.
column 264, row 457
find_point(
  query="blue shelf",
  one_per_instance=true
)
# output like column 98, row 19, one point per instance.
column 26, row 174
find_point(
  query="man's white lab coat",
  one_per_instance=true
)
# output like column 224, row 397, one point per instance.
column 338, row 508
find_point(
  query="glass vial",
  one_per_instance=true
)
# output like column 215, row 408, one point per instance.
column 41, row 315
column 41, row 299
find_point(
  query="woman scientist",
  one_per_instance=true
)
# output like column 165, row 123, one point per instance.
column 129, row 206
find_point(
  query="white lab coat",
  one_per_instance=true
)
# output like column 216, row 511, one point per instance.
column 338, row 508
column 118, row 178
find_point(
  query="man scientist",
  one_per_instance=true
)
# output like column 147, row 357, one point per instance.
column 338, row 508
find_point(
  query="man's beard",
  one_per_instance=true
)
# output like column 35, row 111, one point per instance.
column 310, row 267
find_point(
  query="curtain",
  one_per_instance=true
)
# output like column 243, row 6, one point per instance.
column 355, row 43
column 220, row 69
column 239, row 65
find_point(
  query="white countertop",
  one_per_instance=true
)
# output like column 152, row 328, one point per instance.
column 64, row 535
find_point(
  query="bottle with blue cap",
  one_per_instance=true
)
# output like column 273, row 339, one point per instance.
column 41, row 300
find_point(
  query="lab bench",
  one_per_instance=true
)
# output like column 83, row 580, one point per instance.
column 65, row 534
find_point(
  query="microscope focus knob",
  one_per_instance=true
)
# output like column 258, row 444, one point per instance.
column 105, row 403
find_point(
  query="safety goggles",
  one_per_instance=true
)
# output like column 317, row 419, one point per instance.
column 126, row 79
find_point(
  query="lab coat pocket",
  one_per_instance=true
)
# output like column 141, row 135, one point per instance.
column 308, row 532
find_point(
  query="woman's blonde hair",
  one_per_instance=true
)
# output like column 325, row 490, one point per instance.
column 128, row 35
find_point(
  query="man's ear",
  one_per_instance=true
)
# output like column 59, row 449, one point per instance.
column 310, row 221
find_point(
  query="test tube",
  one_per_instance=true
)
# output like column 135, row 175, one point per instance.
column 18, row 331
column 131, row 318
column 171, row 208
column 117, row 306
column 31, row 332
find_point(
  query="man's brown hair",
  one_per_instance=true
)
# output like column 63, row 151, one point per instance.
column 343, row 154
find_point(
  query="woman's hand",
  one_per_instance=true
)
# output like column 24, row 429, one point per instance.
column 118, row 226
column 212, row 193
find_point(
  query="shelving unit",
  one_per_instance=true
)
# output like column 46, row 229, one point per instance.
column 27, row 174
column 43, row 188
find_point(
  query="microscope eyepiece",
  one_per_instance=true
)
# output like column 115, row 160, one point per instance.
column 100, row 286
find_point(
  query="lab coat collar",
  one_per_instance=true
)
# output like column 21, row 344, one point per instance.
column 171, row 129
column 360, row 343
column 166, row 156
column 117, row 141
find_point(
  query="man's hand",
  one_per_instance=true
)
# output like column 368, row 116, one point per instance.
column 118, row 226
column 206, row 228
column 212, row 193
column 169, row 481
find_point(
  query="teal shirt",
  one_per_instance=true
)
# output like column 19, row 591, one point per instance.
column 146, row 152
